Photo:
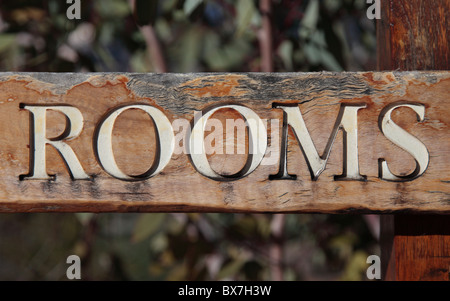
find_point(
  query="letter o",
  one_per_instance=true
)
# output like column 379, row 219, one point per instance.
column 165, row 142
column 257, row 143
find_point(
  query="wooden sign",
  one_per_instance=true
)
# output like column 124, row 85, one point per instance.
column 374, row 142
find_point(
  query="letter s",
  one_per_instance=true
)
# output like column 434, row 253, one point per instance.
column 405, row 140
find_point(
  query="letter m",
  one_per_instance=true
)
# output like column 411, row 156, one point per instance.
column 346, row 120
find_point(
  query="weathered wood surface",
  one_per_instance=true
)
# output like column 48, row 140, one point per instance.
column 414, row 35
column 180, row 187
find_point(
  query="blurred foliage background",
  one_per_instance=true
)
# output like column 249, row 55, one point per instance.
column 187, row 36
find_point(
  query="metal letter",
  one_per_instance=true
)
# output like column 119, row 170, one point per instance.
column 346, row 120
column 257, row 143
column 165, row 142
column 405, row 140
column 38, row 141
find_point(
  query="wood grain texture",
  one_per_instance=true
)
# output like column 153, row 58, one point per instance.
column 179, row 187
column 413, row 35
column 417, row 247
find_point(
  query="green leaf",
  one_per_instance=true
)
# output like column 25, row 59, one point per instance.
column 317, row 53
column 168, row 5
column 312, row 53
column 190, row 5
column 177, row 273
column 113, row 9
column 146, row 225
column 309, row 21
column 318, row 38
column 6, row 41
column 263, row 226
column 159, row 243
column 356, row 267
column 163, row 30
column 285, row 52
column 188, row 50
column 231, row 269
column 245, row 12
column 84, row 218
column 342, row 245
column 226, row 57
column 333, row 5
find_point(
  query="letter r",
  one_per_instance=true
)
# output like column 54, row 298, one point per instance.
column 38, row 141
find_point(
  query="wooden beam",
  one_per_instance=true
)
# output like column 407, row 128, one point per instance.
column 103, row 142
column 413, row 35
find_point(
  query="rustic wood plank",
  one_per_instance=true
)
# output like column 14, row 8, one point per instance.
column 180, row 186
column 413, row 35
